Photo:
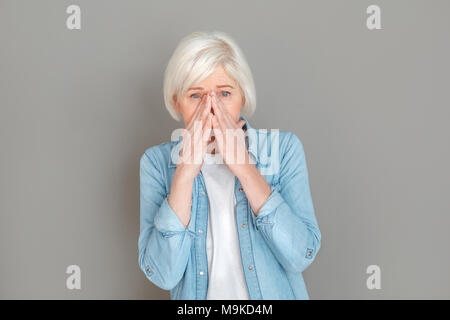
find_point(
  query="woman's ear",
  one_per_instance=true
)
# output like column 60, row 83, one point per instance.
column 243, row 98
column 174, row 100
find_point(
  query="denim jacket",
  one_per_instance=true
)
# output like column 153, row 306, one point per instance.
column 275, row 246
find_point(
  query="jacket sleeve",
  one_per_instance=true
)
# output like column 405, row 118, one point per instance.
column 164, row 242
column 286, row 220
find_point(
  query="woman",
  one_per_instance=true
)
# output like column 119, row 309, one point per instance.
column 220, row 218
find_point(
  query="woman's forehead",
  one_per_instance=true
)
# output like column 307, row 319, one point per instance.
column 218, row 78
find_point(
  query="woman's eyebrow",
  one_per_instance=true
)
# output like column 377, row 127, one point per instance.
column 219, row 86
column 195, row 88
column 225, row 85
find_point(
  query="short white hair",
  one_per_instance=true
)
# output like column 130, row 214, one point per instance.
column 196, row 57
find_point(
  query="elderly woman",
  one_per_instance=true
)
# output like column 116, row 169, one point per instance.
column 225, row 209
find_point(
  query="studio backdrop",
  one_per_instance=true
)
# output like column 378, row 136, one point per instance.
column 363, row 84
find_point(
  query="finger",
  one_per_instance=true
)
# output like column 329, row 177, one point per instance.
column 218, row 135
column 207, row 128
column 197, row 112
column 208, row 143
column 218, row 114
column 186, row 147
column 196, row 127
column 207, row 125
column 206, row 121
column 200, row 131
column 199, row 108
column 218, row 122
column 206, row 110
column 224, row 115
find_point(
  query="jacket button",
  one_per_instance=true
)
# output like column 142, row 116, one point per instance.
column 240, row 189
column 250, row 268
column 201, row 273
column 200, row 231
column 243, row 225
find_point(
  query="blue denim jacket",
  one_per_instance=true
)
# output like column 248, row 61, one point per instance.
column 276, row 246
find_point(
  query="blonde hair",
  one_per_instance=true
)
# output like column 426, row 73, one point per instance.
column 196, row 57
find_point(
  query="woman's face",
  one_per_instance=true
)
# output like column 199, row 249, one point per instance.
column 226, row 88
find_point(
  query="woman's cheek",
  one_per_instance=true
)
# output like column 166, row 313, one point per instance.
column 236, row 107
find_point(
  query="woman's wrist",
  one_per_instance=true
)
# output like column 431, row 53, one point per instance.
column 184, row 173
column 180, row 193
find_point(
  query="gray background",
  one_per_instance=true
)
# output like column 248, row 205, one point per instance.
column 78, row 109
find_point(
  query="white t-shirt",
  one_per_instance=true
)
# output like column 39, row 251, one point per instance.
column 225, row 274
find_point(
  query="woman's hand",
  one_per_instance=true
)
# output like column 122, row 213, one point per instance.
column 225, row 128
column 236, row 156
column 195, row 139
column 193, row 148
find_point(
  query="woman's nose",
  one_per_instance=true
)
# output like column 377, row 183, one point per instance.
column 211, row 93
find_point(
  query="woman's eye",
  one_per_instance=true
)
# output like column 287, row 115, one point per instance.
column 225, row 93
column 195, row 95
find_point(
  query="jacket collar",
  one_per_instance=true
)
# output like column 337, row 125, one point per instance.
column 250, row 141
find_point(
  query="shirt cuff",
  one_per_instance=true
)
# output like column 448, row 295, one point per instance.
column 266, row 214
column 166, row 220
